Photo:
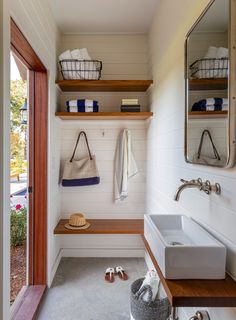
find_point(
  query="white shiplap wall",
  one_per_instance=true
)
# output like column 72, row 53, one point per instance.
column 98, row 201
column 108, row 101
column 165, row 146
column 123, row 57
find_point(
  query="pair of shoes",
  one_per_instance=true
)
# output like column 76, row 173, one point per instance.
column 110, row 274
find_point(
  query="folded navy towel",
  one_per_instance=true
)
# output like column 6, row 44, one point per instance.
column 82, row 109
column 203, row 105
column 82, row 103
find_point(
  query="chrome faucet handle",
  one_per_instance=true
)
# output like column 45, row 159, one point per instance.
column 207, row 187
column 184, row 181
column 199, row 180
column 216, row 188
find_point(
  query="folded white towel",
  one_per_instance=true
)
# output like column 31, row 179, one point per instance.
column 84, row 54
column 65, row 55
column 222, row 53
column 212, row 108
column 73, row 109
column 216, row 53
column 76, row 54
column 125, row 165
column 211, row 53
column 211, row 101
column 73, row 103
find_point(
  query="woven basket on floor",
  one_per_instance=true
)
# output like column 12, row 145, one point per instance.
column 158, row 309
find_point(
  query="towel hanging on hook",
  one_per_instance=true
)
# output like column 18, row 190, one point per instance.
column 125, row 165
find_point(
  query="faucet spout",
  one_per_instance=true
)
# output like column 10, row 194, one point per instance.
column 185, row 185
column 206, row 186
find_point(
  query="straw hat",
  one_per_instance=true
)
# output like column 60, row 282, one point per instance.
column 77, row 221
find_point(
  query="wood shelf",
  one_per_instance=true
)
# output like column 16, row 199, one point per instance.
column 104, row 115
column 208, row 84
column 104, row 85
column 207, row 114
column 105, row 226
column 197, row 293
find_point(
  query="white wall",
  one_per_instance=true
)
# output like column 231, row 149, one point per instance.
column 123, row 57
column 166, row 164
column 218, row 130
column 97, row 201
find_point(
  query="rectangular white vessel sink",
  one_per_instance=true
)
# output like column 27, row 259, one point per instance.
column 183, row 249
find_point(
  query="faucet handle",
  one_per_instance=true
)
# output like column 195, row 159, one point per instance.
column 184, row 181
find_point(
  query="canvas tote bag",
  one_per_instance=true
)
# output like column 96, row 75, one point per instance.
column 216, row 160
column 81, row 172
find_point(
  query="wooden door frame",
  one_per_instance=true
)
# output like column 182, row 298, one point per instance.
column 38, row 136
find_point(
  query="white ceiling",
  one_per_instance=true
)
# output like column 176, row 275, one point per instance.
column 103, row 16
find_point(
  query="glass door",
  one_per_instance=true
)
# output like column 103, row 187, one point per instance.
column 19, row 213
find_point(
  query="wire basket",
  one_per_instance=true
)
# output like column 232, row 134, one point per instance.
column 209, row 68
column 81, row 69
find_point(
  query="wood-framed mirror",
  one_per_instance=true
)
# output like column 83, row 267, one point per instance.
column 210, row 85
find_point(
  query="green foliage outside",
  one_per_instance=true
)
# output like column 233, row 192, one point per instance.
column 18, row 218
column 18, row 130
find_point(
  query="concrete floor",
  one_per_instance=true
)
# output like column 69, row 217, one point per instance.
column 79, row 291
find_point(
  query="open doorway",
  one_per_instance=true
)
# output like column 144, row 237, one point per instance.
column 30, row 118
column 18, row 177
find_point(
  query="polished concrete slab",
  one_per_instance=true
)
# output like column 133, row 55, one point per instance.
column 79, row 291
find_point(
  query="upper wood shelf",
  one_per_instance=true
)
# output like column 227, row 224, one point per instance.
column 207, row 114
column 104, row 85
column 105, row 226
column 104, row 115
column 197, row 293
column 208, row 84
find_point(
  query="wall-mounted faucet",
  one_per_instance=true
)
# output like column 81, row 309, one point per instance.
column 205, row 186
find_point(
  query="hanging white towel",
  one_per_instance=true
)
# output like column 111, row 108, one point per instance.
column 125, row 165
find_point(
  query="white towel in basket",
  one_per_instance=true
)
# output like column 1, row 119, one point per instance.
column 81, row 69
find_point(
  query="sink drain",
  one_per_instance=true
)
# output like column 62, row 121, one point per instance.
column 176, row 243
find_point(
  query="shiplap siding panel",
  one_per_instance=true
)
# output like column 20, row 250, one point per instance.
column 165, row 141
column 107, row 101
column 123, row 56
column 98, row 201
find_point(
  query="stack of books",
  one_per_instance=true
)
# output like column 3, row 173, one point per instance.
column 130, row 105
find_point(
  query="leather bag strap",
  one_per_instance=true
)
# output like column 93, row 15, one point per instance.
column 207, row 132
column 76, row 145
column 146, row 288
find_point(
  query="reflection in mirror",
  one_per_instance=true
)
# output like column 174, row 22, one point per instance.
column 207, row 83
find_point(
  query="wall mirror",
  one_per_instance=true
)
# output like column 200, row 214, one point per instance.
column 210, row 87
